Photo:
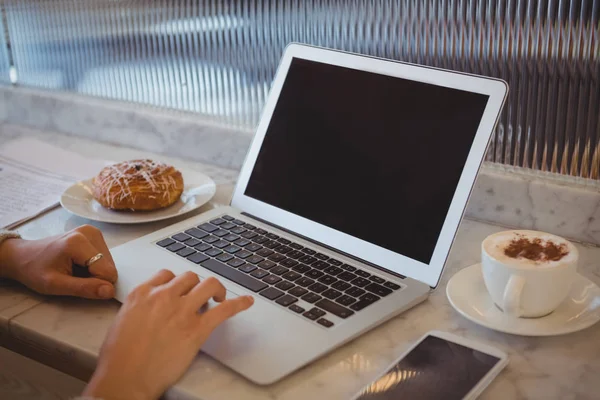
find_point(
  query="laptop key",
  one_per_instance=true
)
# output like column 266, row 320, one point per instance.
column 295, row 254
column 311, row 297
column 221, row 244
column 213, row 252
column 185, row 252
column 349, row 267
column 283, row 249
column 334, row 262
column 232, row 249
column 331, row 293
column 197, row 233
column 391, row 285
column 221, row 233
column 355, row 292
column 333, row 270
column 310, row 315
column 247, row 268
column 321, row 256
column 249, row 227
column 253, row 247
column 314, row 274
column 376, row 279
column 234, row 275
column 297, row 291
column 334, row 308
column 272, row 279
column 276, row 257
column 210, row 239
column 229, row 225
column 192, row 242
column 265, row 252
column 284, row 241
column 325, row 322
column 202, row 247
column 249, row 234
column 259, row 273
column 317, row 287
column 291, row 275
column 230, row 237
column 327, row 279
column 266, row 264
column 307, row 259
column 239, row 230
column 217, row 221
column 284, row 285
column 318, row 312
column 272, row 236
column 197, row 258
column 364, row 274
column 243, row 254
column 320, row 265
column 346, row 276
column 301, row 268
column 243, row 242
column 165, row 242
column 227, row 217
column 345, row 300
column 309, row 251
column 378, row 289
column 208, row 227
column 362, row 303
column 181, row 237
column 224, row 257
column 278, row 270
column 254, row 259
column 296, row 308
column 286, row 300
column 271, row 293
column 260, row 239
column 271, row 244
column 341, row 285
column 260, row 231
column 236, row 262
column 361, row 282
column 289, row 263
column 296, row 246
column 175, row 247
column 304, row 281
column 238, row 222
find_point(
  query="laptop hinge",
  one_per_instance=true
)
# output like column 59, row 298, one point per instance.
column 358, row 259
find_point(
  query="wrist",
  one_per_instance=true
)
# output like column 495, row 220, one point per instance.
column 113, row 385
column 9, row 258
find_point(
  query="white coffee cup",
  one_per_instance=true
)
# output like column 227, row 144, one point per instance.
column 524, row 287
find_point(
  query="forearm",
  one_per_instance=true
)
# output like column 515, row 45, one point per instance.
column 9, row 242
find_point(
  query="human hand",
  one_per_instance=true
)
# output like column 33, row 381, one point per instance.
column 46, row 265
column 157, row 334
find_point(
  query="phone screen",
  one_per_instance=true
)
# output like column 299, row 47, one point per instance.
column 435, row 369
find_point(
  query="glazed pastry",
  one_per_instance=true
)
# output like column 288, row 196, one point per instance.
column 138, row 185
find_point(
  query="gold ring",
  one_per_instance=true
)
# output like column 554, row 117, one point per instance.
column 92, row 260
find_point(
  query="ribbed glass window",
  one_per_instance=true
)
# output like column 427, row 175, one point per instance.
column 218, row 57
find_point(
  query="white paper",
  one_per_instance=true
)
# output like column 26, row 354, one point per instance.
column 33, row 176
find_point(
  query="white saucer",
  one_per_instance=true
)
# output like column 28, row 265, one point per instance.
column 198, row 190
column 468, row 295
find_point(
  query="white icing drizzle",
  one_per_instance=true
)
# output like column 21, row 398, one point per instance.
column 150, row 178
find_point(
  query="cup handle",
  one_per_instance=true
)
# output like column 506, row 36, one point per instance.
column 511, row 301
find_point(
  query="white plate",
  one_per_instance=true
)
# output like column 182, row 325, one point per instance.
column 468, row 295
column 198, row 190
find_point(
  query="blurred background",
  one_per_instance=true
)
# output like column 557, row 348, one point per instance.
column 217, row 57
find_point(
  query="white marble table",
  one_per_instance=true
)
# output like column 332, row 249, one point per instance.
column 72, row 330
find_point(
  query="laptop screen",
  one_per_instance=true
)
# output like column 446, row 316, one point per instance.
column 373, row 156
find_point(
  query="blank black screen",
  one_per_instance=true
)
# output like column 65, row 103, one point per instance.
column 435, row 369
column 373, row 156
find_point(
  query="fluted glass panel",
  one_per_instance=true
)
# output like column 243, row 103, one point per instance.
column 4, row 53
column 218, row 57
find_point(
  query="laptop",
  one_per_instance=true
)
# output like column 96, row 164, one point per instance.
column 345, row 209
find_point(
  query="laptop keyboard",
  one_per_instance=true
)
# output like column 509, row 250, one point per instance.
column 279, row 270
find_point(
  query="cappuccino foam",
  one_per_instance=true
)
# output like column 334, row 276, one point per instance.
column 500, row 246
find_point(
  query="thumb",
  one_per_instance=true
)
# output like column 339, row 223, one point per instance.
column 89, row 288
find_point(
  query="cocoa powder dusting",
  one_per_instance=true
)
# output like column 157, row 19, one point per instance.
column 535, row 249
